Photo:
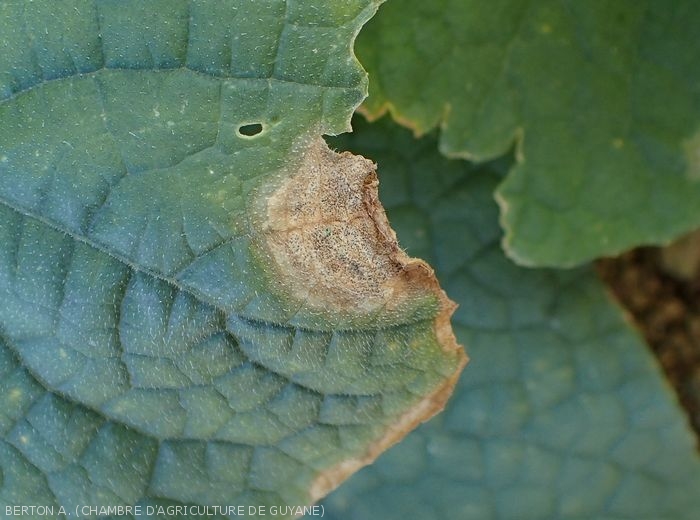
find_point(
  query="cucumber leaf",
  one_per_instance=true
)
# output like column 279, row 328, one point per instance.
column 600, row 99
column 183, row 320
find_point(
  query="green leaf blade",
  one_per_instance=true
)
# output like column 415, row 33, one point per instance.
column 144, row 296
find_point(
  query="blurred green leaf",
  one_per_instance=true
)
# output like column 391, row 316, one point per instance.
column 601, row 100
column 562, row 412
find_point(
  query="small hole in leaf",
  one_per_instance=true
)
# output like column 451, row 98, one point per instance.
column 250, row 130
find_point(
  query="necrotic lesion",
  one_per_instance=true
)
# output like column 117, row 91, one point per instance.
column 324, row 238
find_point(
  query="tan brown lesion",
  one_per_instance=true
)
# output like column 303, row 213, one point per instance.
column 329, row 237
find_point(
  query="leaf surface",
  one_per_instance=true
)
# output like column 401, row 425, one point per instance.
column 601, row 100
column 170, row 333
column 562, row 412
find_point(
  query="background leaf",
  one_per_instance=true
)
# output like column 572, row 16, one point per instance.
column 152, row 349
column 602, row 100
column 562, row 412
